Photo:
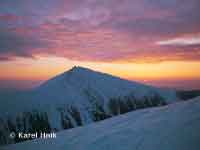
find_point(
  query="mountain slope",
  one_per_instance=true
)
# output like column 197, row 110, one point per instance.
column 73, row 83
column 81, row 87
column 173, row 127
column 75, row 98
column 76, row 86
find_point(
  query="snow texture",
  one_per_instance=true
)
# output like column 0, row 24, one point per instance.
column 172, row 127
column 74, row 88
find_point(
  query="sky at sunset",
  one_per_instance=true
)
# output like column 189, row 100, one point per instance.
column 152, row 41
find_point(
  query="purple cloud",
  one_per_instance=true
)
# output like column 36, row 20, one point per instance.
column 100, row 30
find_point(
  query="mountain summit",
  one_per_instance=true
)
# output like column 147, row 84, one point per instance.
column 71, row 86
column 80, row 96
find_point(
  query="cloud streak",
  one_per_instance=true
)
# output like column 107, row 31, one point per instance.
column 180, row 42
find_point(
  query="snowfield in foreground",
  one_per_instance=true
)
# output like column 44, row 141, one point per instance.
column 172, row 127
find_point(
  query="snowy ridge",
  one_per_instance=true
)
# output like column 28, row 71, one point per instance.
column 73, row 86
column 172, row 127
column 78, row 97
column 80, row 85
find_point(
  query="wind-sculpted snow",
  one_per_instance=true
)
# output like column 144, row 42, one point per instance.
column 172, row 127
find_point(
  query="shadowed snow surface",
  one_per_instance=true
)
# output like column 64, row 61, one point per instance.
column 172, row 127
column 74, row 88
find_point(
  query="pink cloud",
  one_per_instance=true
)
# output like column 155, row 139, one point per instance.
column 104, row 30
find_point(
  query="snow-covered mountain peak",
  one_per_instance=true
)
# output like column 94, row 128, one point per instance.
column 80, row 69
column 85, row 73
column 77, row 73
column 80, row 96
column 81, row 74
column 73, row 84
column 79, row 85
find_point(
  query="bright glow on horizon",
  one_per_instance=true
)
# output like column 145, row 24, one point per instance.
column 47, row 67
column 133, row 39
